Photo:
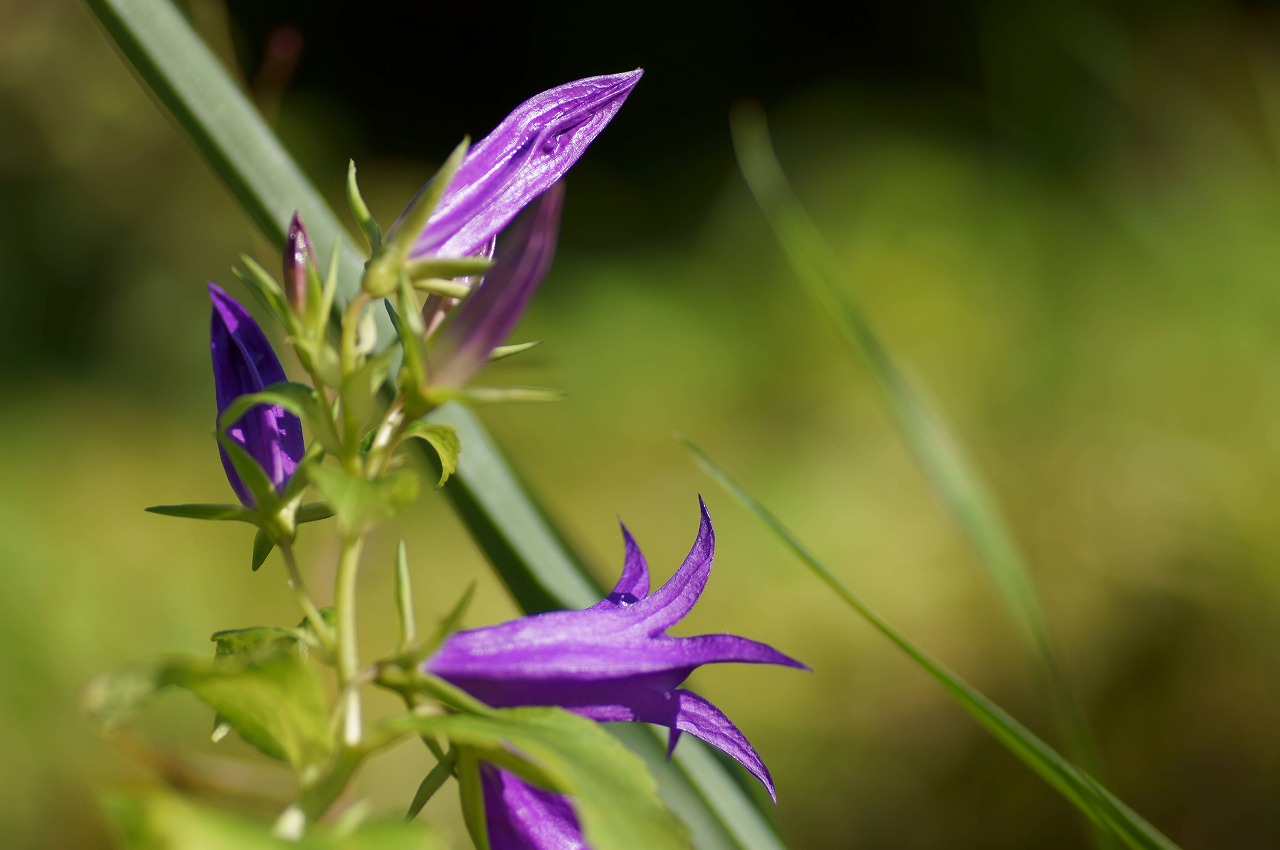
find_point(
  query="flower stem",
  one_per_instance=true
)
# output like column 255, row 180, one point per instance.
column 299, row 588
column 344, row 603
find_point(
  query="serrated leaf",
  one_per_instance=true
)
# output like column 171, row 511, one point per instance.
column 222, row 513
column 613, row 794
column 360, row 504
column 164, row 821
column 442, row 438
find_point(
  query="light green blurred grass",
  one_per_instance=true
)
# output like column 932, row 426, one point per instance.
column 1105, row 339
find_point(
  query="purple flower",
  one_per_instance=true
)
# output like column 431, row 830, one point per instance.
column 522, row 817
column 614, row 661
column 524, row 155
column 244, row 363
column 491, row 312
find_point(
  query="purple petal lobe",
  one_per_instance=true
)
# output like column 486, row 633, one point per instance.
column 524, row 155
column 613, row 661
column 522, row 817
column 669, row 603
column 491, row 312
column 243, row 363
column 634, row 583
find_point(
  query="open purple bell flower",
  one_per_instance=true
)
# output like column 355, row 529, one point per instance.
column 614, row 660
column 520, row 816
column 529, row 151
column 243, row 363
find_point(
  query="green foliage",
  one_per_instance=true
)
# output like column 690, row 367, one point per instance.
column 204, row 511
column 165, row 821
column 258, row 683
column 358, row 503
column 615, row 798
column 442, row 438
column 1103, row 809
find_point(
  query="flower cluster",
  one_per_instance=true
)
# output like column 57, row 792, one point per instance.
column 476, row 243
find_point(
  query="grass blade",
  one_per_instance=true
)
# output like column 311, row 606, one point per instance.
column 932, row 442
column 525, row 549
column 1103, row 809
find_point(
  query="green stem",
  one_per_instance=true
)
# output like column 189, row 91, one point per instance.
column 344, row 603
column 299, row 588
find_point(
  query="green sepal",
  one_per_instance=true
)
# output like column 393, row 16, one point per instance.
column 412, row 379
column 360, row 388
column 382, row 273
column 360, row 504
column 262, row 546
column 425, row 268
column 444, row 288
column 222, row 513
column 471, row 796
column 312, row 512
column 502, row 352
column 265, row 500
column 501, row 395
column 404, row 599
column 442, row 438
column 266, row 290
column 372, row 232
column 614, row 796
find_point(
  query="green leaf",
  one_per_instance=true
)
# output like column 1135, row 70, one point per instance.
column 262, row 546
column 613, row 794
column 360, row 504
column 445, row 268
column 355, row 201
column 471, row 797
column 502, row 352
column 932, row 441
column 442, row 438
column 527, row 551
column 251, row 474
column 502, row 395
column 266, row 290
column 164, row 821
column 223, row 513
column 313, row 512
column 1103, row 809
column 299, row 399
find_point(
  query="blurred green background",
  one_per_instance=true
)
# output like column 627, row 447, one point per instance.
column 1062, row 217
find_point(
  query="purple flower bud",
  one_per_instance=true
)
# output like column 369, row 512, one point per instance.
column 298, row 257
column 614, row 660
column 244, row 363
column 524, row 155
column 522, row 817
column 491, row 312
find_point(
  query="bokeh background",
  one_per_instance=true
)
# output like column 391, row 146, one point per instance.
column 1063, row 216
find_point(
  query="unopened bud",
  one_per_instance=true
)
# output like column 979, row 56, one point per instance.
column 299, row 263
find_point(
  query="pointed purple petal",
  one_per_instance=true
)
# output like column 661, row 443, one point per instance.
column 492, row 311
column 243, row 363
column 524, row 155
column 669, row 603
column 522, row 817
column 634, row 583
column 701, row 719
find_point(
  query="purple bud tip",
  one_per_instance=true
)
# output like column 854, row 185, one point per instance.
column 530, row 150
column 298, row 257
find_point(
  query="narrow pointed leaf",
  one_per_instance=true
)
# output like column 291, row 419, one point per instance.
column 212, row 512
column 933, row 443
column 1100, row 806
